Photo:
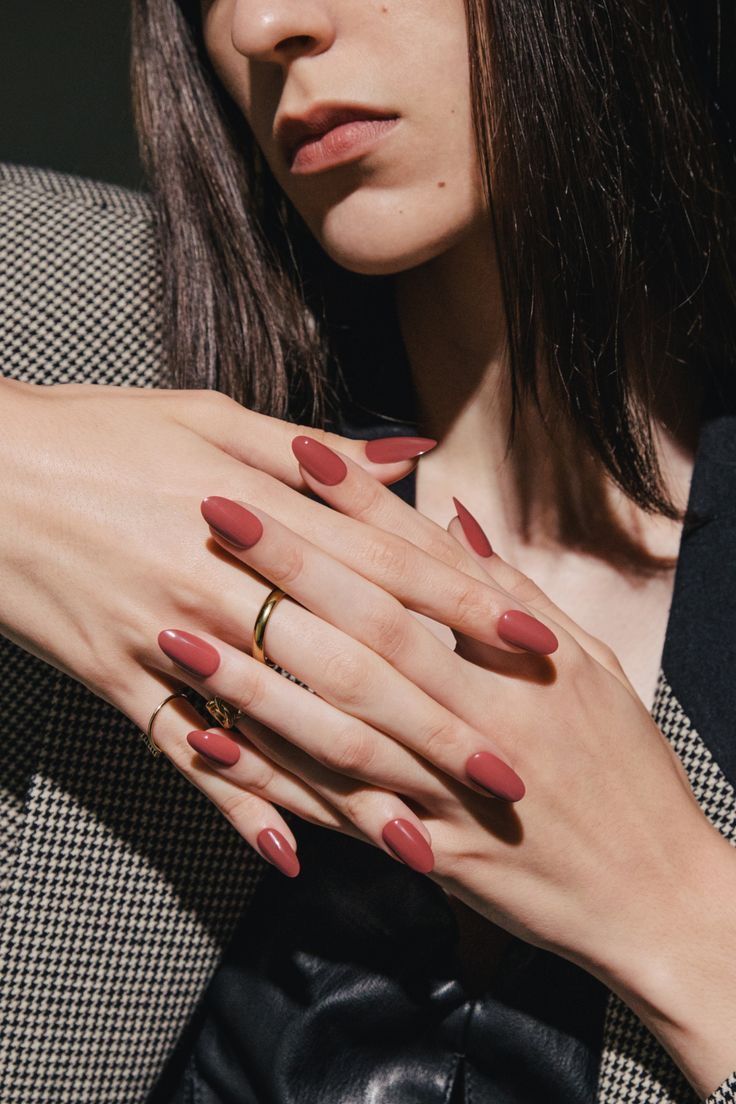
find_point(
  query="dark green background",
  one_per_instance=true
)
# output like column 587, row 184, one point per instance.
column 64, row 97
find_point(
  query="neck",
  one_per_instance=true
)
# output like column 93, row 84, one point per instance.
column 549, row 490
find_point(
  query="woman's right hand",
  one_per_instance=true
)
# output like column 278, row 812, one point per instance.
column 103, row 485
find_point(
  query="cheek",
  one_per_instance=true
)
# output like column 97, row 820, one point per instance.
column 230, row 66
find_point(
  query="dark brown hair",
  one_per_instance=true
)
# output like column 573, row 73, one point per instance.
column 603, row 129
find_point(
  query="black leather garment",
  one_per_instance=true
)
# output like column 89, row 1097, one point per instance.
column 341, row 987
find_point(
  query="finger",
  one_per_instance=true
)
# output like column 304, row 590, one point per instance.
column 466, row 530
column 252, row 816
column 257, row 775
column 473, row 606
column 343, row 744
column 264, row 442
column 338, row 595
column 351, row 807
column 359, row 702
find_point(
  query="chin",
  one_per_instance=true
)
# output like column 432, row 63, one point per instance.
column 382, row 246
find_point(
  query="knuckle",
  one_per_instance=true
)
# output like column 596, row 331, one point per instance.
column 314, row 432
column 440, row 741
column 250, row 695
column 260, row 776
column 354, row 806
column 353, row 751
column 385, row 629
column 387, row 558
column 206, row 398
column 366, row 498
column 289, row 568
column 344, row 673
column 441, row 546
column 468, row 599
column 606, row 656
column 525, row 589
column 237, row 806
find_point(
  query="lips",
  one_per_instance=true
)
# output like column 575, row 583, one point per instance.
column 293, row 131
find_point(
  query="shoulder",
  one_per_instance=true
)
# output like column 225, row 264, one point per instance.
column 46, row 187
column 79, row 279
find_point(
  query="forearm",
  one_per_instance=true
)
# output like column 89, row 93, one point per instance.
column 683, row 985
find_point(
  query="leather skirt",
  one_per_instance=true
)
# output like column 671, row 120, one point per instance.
column 341, row 986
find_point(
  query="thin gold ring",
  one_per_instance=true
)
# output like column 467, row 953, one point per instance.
column 259, row 629
column 147, row 736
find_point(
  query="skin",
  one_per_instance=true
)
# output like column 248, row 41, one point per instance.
column 412, row 210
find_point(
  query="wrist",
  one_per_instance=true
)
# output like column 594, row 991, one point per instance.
column 678, row 971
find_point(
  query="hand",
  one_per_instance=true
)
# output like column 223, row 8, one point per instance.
column 103, row 486
column 612, row 823
column 607, row 860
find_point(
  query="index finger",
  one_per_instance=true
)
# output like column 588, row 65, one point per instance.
column 264, row 442
column 476, row 607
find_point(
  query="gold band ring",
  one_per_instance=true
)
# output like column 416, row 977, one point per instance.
column 225, row 714
column 147, row 736
column 259, row 629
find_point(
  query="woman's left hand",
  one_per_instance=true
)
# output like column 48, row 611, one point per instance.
column 607, row 855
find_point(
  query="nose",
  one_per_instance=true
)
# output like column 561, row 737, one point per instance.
column 280, row 30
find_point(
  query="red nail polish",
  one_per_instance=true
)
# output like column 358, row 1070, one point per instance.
column 321, row 462
column 278, row 851
column 494, row 775
column 194, row 655
column 474, row 535
column 214, row 746
column 387, row 450
column 406, row 841
column 517, row 627
column 232, row 521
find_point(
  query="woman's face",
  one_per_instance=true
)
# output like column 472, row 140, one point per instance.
column 402, row 198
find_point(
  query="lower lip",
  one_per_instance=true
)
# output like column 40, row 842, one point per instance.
column 342, row 143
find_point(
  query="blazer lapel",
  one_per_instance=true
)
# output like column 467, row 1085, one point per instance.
column 699, row 657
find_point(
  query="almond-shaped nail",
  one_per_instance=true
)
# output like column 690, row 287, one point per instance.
column 474, row 535
column 232, row 521
column 494, row 775
column 278, row 851
column 388, row 450
column 519, row 628
column 321, row 462
column 194, row 655
column 215, row 746
column 406, row 841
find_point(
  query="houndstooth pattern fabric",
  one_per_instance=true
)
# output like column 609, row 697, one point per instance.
column 725, row 1093
column 635, row 1068
column 121, row 883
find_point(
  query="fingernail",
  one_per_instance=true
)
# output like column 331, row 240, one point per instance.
column 517, row 627
column 494, row 775
column 232, row 521
column 406, row 841
column 215, row 746
column 387, row 450
column 278, row 851
column 194, row 655
column 474, row 535
column 321, row 462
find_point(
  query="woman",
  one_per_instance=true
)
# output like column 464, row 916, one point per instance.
column 593, row 311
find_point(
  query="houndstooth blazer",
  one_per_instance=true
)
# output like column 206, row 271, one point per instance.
column 121, row 882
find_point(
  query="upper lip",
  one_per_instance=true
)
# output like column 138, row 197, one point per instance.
column 292, row 130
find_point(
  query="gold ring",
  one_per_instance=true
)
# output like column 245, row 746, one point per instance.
column 225, row 714
column 259, row 629
column 147, row 736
